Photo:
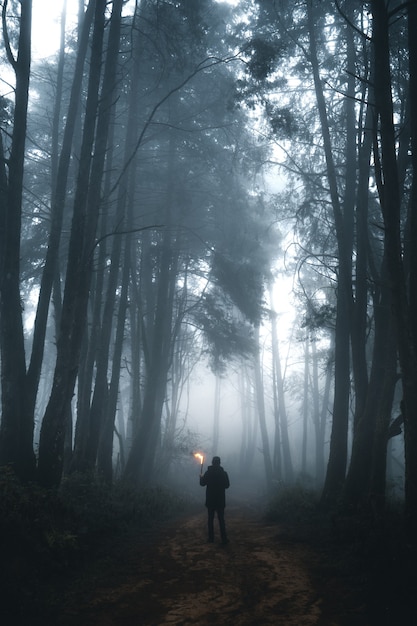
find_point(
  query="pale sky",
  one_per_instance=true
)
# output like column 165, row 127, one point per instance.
column 45, row 25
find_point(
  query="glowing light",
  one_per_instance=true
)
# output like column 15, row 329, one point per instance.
column 199, row 456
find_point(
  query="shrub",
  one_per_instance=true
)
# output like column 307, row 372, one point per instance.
column 292, row 504
column 50, row 529
column 95, row 507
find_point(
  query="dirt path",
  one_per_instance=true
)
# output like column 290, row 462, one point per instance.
column 264, row 576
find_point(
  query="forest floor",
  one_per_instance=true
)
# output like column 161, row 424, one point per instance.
column 269, row 573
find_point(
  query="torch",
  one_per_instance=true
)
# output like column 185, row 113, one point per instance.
column 200, row 456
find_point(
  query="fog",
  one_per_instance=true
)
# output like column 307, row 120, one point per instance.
column 208, row 212
column 199, row 257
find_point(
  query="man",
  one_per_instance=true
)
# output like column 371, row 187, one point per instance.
column 216, row 481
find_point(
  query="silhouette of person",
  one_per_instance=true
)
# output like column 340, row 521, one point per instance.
column 216, row 481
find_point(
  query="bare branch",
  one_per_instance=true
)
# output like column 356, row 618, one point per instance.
column 6, row 37
column 351, row 24
column 126, row 232
column 206, row 64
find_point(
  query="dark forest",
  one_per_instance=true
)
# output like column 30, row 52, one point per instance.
column 207, row 216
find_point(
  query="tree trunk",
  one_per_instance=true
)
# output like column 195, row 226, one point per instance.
column 288, row 470
column 124, row 210
column 216, row 416
column 358, row 476
column 350, row 193
column 59, row 180
column 95, row 417
column 321, row 427
column 360, row 307
column 358, row 480
column 410, row 246
column 249, row 424
column 383, row 411
column 277, row 454
column 306, row 403
column 105, row 447
column 17, row 423
column 389, row 194
column 139, row 466
column 83, row 232
column 260, row 401
column 136, row 334
column 317, row 422
column 336, row 467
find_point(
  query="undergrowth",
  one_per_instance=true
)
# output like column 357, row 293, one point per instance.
column 94, row 507
column 49, row 533
column 368, row 552
column 292, row 504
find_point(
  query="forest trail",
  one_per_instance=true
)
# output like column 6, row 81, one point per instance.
column 265, row 575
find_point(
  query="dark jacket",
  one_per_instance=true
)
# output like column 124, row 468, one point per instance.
column 216, row 481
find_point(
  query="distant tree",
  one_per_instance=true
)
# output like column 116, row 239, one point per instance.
column 280, row 409
column 260, row 405
column 201, row 195
column 216, row 415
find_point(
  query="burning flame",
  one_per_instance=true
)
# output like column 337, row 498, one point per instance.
column 199, row 456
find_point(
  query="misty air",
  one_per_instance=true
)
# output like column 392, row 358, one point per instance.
column 208, row 339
